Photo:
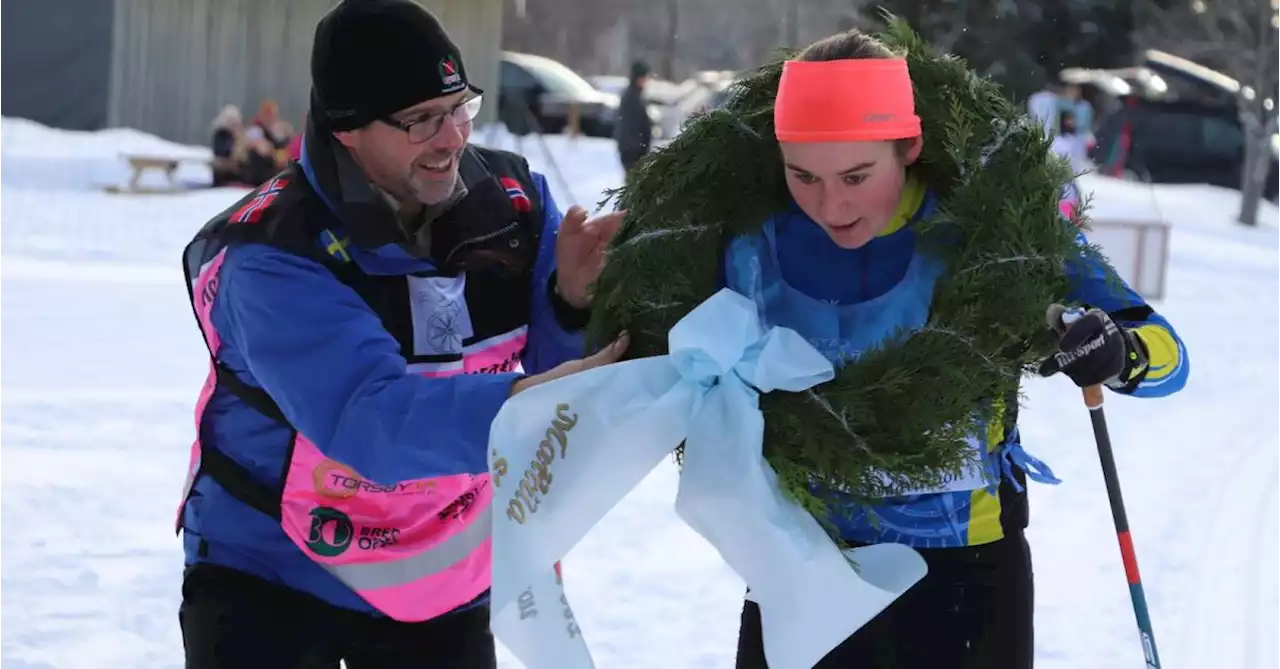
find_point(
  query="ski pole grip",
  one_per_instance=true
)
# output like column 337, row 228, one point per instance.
column 1093, row 397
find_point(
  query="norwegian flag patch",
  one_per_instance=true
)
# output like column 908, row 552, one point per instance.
column 519, row 200
column 251, row 211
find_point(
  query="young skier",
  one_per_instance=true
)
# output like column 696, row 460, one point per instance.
column 843, row 266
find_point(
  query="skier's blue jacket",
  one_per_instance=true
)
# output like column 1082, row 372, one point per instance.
column 398, row 387
column 844, row 301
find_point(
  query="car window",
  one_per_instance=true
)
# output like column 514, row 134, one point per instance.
column 1222, row 137
column 1169, row 131
column 514, row 76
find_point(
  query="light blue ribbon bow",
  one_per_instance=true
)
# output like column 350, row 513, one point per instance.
column 722, row 349
column 626, row 418
column 810, row 597
column 722, row 341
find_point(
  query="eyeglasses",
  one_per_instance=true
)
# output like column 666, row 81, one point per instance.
column 423, row 128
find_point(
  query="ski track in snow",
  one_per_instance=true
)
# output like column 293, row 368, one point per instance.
column 1199, row 474
column 1233, row 591
column 92, row 442
column 1238, row 578
column 1231, row 477
column 1264, row 624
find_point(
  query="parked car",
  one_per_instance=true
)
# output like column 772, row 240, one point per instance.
column 1175, row 121
column 657, row 97
column 1181, row 141
column 1158, row 76
column 538, row 92
column 710, row 93
column 614, row 84
column 671, row 103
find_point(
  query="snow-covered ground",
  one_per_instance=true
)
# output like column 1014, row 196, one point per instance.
column 101, row 363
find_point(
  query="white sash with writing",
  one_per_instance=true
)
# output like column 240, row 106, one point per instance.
column 563, row 453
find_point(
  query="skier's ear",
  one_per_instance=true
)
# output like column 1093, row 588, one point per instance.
column 345, row 138
column 908, row 150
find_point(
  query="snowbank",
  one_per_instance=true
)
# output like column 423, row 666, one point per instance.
column 54, row 205
column 1199, row 205
column 37, row 157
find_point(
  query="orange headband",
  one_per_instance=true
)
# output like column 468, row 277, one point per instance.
column 866, row 99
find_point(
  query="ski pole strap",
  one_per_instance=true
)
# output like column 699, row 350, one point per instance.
column 1012, row 454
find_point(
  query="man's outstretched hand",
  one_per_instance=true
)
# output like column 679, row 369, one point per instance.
column 580, row 246
column 609, row 354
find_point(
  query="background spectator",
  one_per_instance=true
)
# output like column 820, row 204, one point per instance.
column 634, row 131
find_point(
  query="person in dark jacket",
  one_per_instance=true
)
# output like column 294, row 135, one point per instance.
column 228, row 146
column 367, row 311
column 634, row 130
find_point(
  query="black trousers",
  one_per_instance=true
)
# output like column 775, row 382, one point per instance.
column 973, row 610
column 232, row 620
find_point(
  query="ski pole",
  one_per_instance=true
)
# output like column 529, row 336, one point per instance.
column 1093, row 401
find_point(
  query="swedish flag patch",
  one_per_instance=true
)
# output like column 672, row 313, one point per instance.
column 334, row 246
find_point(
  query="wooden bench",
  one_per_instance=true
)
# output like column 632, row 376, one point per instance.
column 138, row 164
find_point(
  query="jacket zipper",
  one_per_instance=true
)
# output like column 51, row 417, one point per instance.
column 477, row 240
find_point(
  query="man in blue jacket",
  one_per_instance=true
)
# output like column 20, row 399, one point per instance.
column 367, row 311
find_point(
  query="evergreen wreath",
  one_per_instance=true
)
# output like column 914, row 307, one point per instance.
column 902, row 409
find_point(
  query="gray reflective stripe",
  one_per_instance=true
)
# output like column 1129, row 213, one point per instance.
column 191, row 480
column 374, row 575
column 186, row 488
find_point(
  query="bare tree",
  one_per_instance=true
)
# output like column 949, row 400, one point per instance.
column 942, row 22
column 672, row 39
column 1239, row 38
column 791, row 24
column 678, row 37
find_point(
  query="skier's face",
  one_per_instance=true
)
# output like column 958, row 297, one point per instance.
column 851, row 189
column 426, row 171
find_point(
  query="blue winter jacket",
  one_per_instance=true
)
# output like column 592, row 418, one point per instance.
column 287, row 325
column 812, row 265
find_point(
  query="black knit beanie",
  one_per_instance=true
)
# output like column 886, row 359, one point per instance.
column 372, row 58
column 639, row 68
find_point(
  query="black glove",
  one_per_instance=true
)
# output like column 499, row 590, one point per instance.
column 1093, row 350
